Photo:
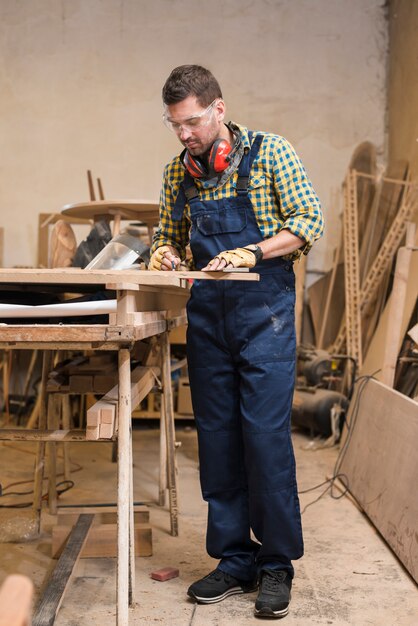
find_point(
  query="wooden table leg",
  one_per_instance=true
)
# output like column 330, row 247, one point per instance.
column 162, row 485
column 167, row 398
column 131, row 522
column 53, row 421
column 125, row 577
column 42, row 424
column 6, row 380
column 66, row 424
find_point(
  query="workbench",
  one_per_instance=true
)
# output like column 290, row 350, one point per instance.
column 148, row 303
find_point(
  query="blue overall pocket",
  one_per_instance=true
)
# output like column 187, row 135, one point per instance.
column 223, row 221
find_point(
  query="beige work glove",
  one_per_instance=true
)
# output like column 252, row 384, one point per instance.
column 157, row 257
column 240, row 257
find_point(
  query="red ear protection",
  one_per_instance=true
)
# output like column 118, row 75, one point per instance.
column 217, row 160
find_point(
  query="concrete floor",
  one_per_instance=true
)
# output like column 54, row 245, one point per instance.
column 348, row 576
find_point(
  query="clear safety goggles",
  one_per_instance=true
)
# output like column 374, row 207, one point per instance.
column 194, row 122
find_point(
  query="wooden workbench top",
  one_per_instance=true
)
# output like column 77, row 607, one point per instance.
column 75, row 276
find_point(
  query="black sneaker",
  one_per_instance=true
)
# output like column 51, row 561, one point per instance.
column 217, row 586
column 274, row 595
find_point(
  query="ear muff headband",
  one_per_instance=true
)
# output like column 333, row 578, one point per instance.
column 218, row 155
column 193, row 165
column 217, row 161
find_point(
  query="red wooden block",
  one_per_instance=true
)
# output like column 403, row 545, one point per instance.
column 165, row 573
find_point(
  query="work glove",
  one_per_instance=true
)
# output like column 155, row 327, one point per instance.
column 240, row 257
column 157, row 257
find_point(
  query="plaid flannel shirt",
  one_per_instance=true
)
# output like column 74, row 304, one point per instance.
column 279, row 189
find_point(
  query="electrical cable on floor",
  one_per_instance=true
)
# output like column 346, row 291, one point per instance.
column 336, row 475
column 193, row 614
column 24, row 505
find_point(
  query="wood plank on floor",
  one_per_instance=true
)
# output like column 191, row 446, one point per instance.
column 380, row 463
column 53, row 595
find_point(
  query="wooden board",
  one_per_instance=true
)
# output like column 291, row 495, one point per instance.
column 381, row 465
column 67, row 516
column 317, row 295
column 373, row 361
column 102, row 540
column 51, row 600
column 76, row 276
column 68, row 337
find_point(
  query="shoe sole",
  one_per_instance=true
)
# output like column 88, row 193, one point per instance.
column 267, row 612
column 231, row 592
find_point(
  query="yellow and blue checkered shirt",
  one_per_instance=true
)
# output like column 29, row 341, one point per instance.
column 279, row 189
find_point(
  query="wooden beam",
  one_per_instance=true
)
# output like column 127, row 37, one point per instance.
column 61, row 575
column 102, row 540
column 61, row 337
column 68, row 515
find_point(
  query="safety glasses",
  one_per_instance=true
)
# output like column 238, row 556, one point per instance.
column 191, row 123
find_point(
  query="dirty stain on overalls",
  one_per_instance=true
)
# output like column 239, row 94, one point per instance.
column 241, row 357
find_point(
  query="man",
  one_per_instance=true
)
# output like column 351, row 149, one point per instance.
column 242, row 199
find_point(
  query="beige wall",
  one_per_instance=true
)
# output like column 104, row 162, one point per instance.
column 403, row 83
column 80, row 84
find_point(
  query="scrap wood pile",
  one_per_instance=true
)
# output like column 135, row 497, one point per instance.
column 366, row 305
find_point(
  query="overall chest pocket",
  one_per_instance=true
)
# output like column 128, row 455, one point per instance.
column 223, row 221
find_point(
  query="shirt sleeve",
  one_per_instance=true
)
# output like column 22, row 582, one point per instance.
column 170, row 232
column 299, row 205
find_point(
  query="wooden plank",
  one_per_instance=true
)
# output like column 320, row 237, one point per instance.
column 398, row 300
column 81, row 384
column 352, row 269
column 67, row 516
column 381, row 465
column 152, row 278
column 60, row 577
column 300, row 275
column 65, row 337
column 374, row 356
column 25, row 434
column 16, row 601
column 102, row 540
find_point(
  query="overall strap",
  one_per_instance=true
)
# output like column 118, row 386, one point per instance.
column 187, row 193
column 246, row 164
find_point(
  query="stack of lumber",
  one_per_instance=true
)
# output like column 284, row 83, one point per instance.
column 350, row 305
column 95, row 374
column 102, row 417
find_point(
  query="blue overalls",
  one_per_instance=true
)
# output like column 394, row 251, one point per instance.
column 241, row 359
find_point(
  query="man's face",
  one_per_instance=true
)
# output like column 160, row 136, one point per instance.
column 196, row 127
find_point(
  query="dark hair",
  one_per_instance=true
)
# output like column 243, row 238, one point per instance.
column 191, row 80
